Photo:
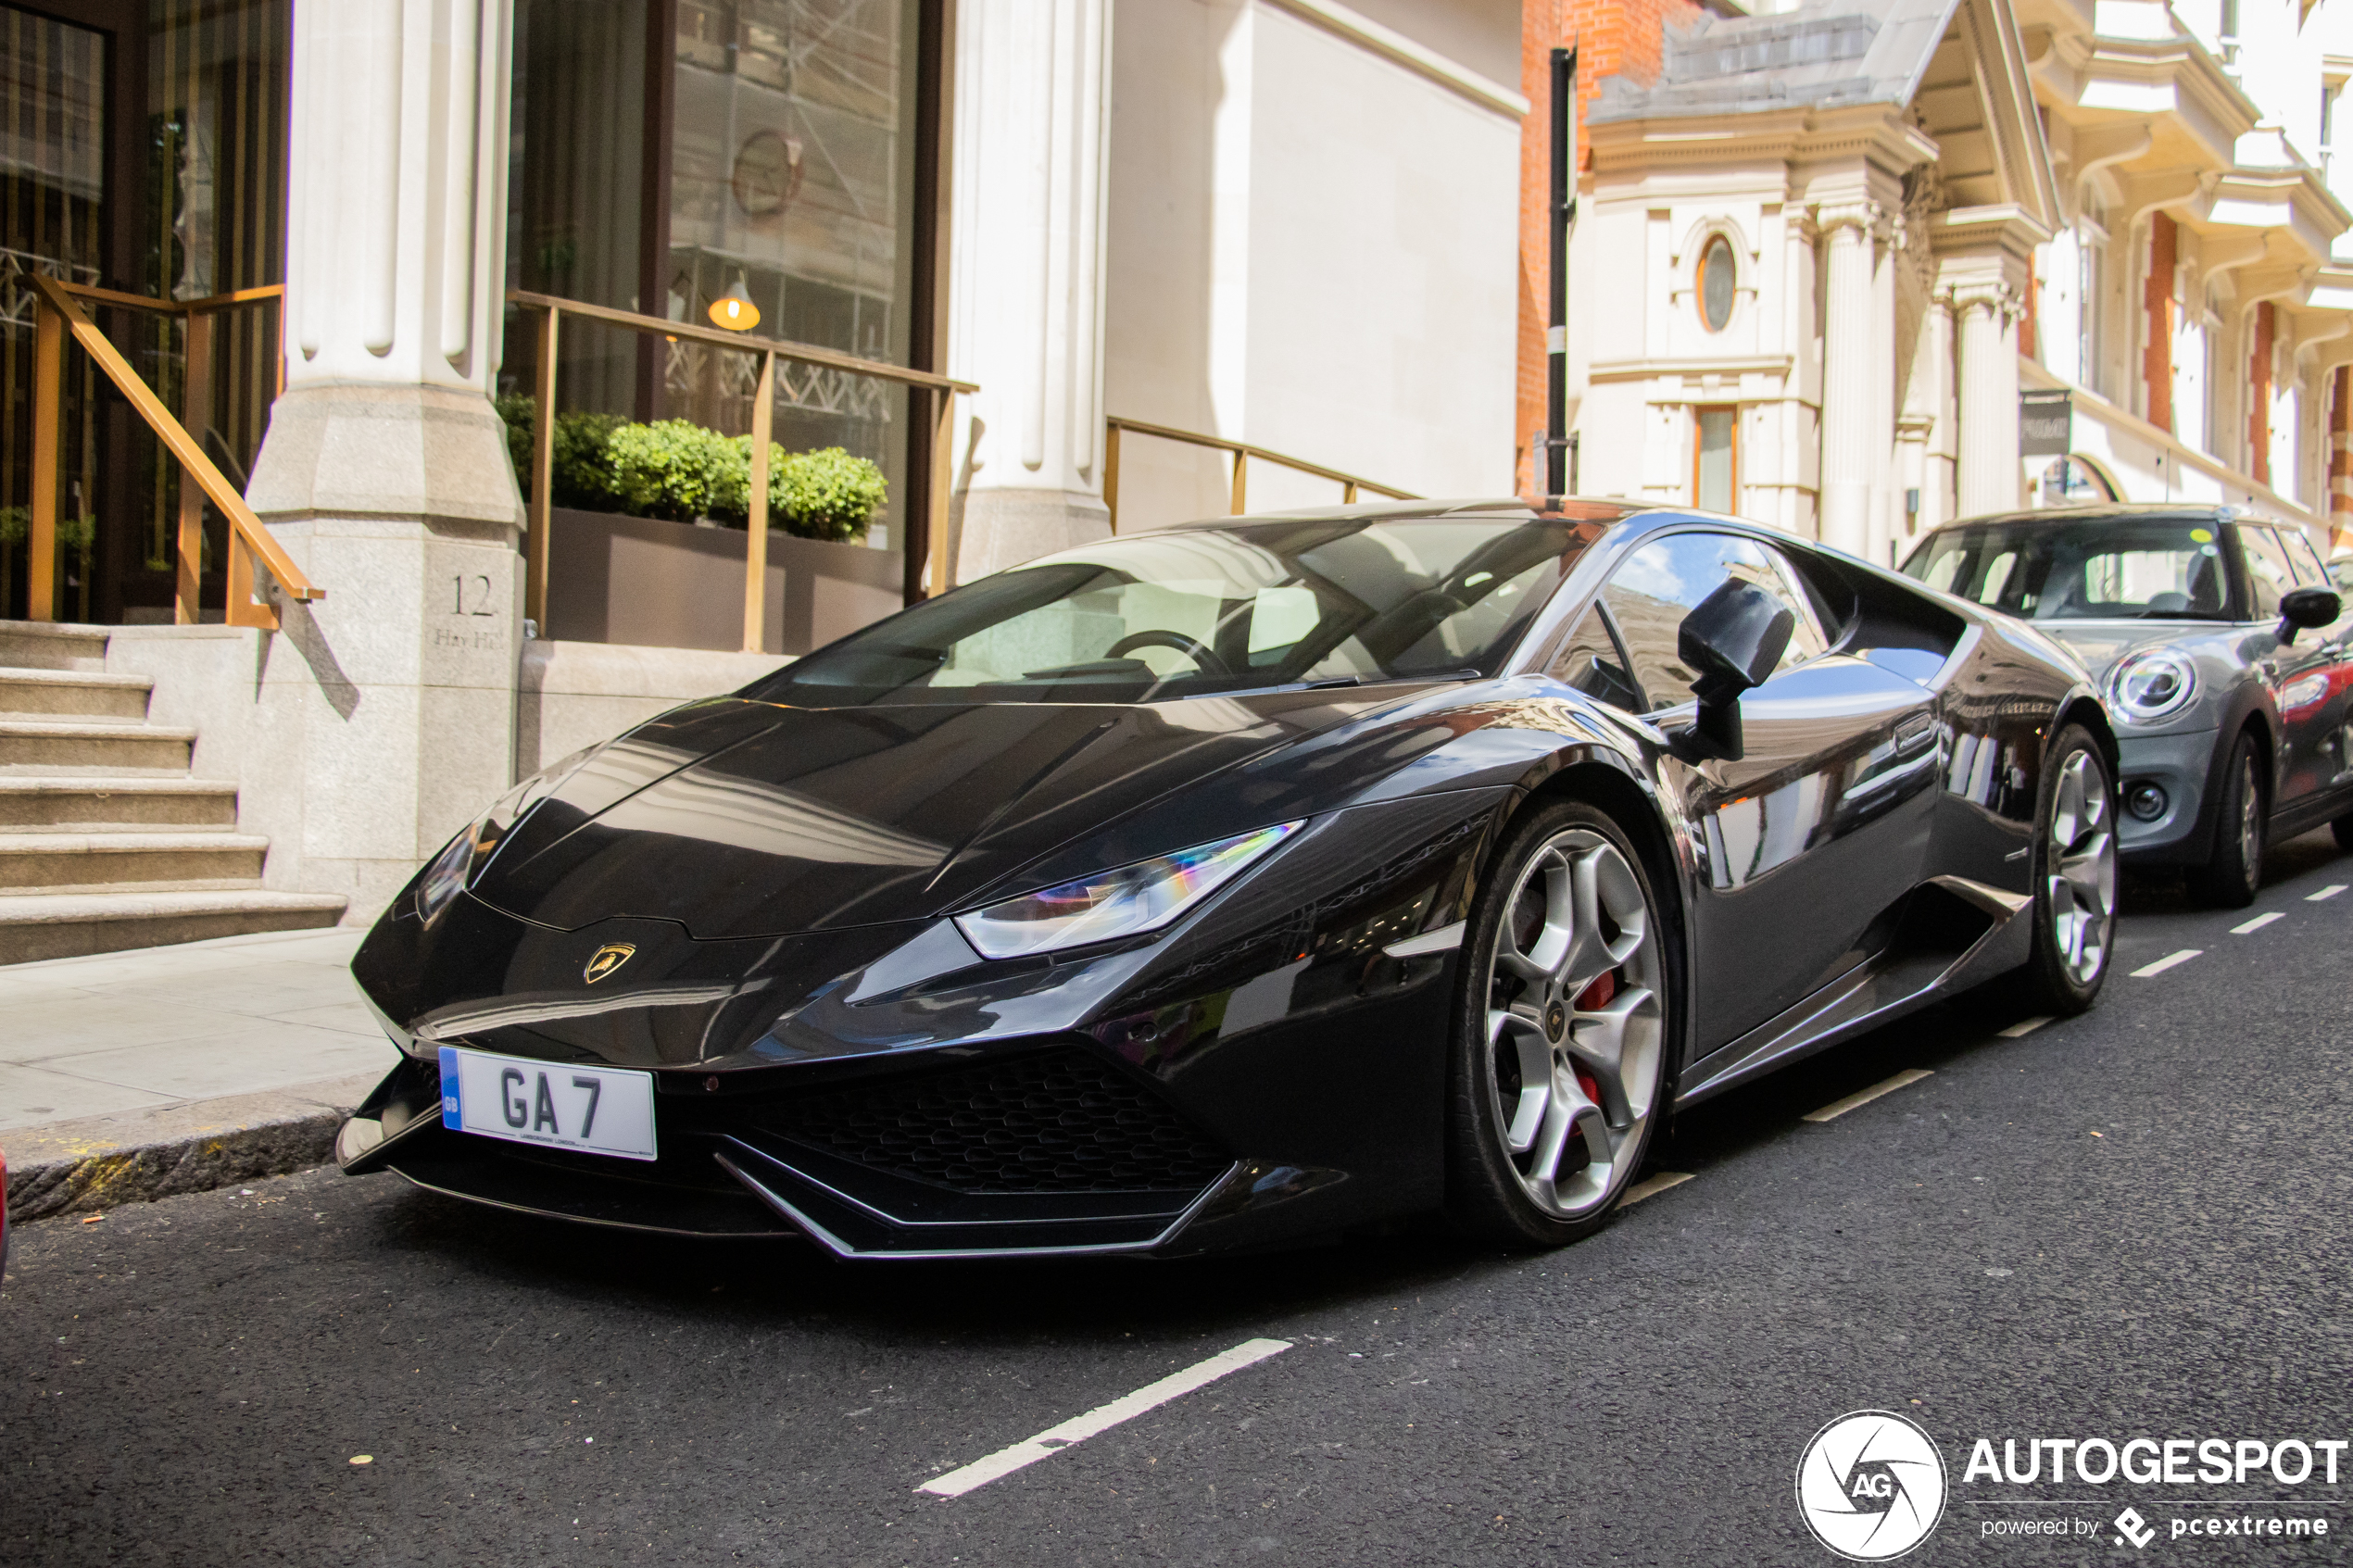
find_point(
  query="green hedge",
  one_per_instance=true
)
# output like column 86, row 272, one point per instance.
column 73, row 532
column 827, row 493
column 678, row 470
column 582, row 479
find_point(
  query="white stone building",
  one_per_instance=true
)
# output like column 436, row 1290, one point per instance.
column 1859, row 228
column 1287, row 222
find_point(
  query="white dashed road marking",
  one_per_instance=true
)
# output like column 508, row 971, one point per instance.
column 2023, row 1026
column 2330, row 891
column 2258, row 923
column 1652, row 1186
column 1839, row 1108
column 1103, row 1418
column 2168, row 961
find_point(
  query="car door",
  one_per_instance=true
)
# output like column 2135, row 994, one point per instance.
column 1821, row 825
column 2333, row 758
column 2297, row 672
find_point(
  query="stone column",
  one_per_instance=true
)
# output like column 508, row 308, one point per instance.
column 1988, row 466
column 1025, row 294
column 1936, row 498
column 2340, row 428
column 1887, row 247
column 1847, row 398
column 389, row 705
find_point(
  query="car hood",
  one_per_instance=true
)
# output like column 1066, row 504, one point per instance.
column 742, row 818
column 2099, row 644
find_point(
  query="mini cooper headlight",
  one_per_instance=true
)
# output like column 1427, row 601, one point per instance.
column 1124, row 901
column 452, row 870
column 2153, row 686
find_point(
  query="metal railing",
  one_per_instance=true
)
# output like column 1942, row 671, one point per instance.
column 1242, row 452
column 553, row 310
column 61, row 314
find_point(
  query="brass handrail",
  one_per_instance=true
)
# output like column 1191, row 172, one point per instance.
column 248, row 538
column 543, row 438
column 1243, row 453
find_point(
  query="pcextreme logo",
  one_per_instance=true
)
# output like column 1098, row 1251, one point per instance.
column 1871, row 1486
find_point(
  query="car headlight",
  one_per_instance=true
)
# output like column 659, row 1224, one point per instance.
column 453, row 870
column 2149, row 686
column 1124, row 901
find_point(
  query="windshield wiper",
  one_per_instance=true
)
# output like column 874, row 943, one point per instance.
column 1128, row 669
column 1463, row 674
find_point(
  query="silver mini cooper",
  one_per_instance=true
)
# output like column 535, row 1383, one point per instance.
column 2221, row 644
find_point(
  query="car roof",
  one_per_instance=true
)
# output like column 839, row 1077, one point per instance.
column 2057, row 516
column 1567, row 508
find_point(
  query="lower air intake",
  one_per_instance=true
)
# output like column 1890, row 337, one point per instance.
column 1057, row 1123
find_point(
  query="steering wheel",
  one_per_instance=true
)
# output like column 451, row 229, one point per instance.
column 1199, row 652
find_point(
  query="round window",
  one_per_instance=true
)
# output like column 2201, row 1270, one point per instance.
column 1716, row 278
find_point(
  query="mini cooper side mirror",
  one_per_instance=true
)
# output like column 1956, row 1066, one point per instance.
column 1734, row 639
column 2305, row 609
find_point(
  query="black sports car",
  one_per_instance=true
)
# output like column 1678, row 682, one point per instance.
column 1241, row 882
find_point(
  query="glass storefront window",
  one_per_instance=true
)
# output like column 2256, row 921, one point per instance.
column 787, row 151
column 214, row 222
column 791, row 173
column 53, row 194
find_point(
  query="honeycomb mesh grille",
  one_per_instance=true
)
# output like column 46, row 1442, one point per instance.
column 1061, row 1122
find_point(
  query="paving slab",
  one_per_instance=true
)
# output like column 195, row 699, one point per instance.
column 132, row 1075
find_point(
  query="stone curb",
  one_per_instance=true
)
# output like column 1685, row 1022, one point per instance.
column 101, row 1162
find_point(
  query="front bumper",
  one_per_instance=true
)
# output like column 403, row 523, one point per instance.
column 2181, row 765
column 1041, row 1148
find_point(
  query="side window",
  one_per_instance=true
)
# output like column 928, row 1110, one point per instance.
column 1648, row 595
column 2305, row 559
column 1592, row 662
column 2268, row 572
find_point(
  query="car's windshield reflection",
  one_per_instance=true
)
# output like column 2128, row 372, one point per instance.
column 1212, row 610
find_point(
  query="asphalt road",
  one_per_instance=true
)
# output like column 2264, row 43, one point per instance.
column 2135, row 1223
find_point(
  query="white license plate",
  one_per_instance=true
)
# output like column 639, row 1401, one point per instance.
column 601, row 1109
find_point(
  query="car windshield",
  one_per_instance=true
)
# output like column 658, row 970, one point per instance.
column 2098, row 568
column 1203, row 611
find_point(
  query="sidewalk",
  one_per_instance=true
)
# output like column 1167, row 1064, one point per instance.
column 132, row 1075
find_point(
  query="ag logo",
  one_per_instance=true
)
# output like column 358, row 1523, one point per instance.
column 606, row 959
column 1871, row 1485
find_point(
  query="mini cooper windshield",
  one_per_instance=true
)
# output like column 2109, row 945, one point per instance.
column 2099, row 568
column 1202, row 612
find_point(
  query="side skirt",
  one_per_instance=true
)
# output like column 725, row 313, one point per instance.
column 1955, row 934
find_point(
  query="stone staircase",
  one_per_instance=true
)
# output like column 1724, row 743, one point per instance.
column 106, row 840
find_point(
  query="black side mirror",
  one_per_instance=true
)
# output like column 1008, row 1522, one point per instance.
column 2305, row 609
column 1734, row 639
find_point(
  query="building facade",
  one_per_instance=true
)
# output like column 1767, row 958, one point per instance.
column 1822, row 251
column 1289, row 223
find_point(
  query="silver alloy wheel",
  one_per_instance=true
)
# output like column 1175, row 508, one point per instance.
column 2250, row 817
column 2082, row 868
column 1574, row 1065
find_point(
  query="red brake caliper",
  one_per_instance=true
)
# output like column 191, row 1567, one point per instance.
column 1592, row 999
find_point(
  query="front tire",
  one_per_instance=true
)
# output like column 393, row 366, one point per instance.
column 2075, row 910
column 2233, row 874
column 1560, row 1061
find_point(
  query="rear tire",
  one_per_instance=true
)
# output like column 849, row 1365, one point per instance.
column 2074, row 911
column 2233, row 874
column 1569, row 1004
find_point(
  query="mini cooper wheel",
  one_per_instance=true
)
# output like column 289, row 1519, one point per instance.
column 2233, row 874
column 1560, row 1061
column 2074, row 879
